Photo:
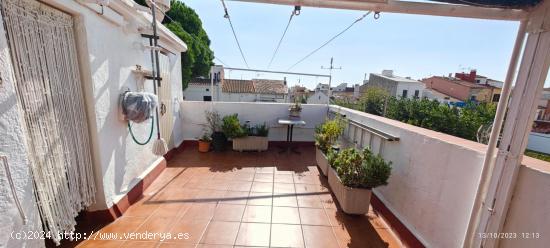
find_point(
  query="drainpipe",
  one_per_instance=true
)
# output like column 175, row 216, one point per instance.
column 489, row 161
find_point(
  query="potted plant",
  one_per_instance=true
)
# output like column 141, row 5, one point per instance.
column 255, row 140
column 232, row 127
column 326, row 136
column 352, row 176
column 204, row 142
column 295, row 110
column 219, row 140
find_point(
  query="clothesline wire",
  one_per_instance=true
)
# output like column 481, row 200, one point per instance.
column 330, row 40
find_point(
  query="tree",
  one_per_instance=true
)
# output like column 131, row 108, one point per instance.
column 187, row 26
column 462, row 122
column 374, row 100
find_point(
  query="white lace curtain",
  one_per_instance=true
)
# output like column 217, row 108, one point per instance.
column 43, row 51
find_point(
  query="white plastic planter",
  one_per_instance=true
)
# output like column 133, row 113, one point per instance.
column 322, row 161
column 250, row 143
column 352, row 200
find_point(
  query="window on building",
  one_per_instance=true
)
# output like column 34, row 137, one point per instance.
column 496, row 97
column 404, row 95
column 207, row 89
column 416, row 93
column 207, row 98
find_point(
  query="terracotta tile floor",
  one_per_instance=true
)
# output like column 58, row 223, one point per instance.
column 232, row 199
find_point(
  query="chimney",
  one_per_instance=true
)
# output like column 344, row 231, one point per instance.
column 387, row 73
column 473, row 74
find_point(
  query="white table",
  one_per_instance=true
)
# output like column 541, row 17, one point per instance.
column 289, row 132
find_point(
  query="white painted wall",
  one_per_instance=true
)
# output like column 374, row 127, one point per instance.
column 197, row 92
column 250, row 97
column 318, row 98
column 236, row 97
column 108, row 52
column 194, row 120
column 539, row 142
column 12, row 144
column 529, row 209
column 434, row 178
column 410, row 87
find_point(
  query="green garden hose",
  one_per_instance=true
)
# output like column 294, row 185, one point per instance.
column 150, row 133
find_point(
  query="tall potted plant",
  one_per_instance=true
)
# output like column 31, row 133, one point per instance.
column 352, row 176
column 326, row 135
column 219, row 140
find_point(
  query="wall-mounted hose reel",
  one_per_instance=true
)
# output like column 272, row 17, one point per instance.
column 138, row 107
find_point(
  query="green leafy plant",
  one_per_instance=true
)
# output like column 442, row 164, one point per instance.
column 232, row 127
column 328, row 133
column 461, row 121
column 261, row 130
column 205, row 137
column 358, row 169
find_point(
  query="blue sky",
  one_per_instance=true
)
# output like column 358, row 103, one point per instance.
column 411, row 45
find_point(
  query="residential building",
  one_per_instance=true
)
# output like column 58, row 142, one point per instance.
column 319, row 97
column 235, row 90
column 401, row 87
column 463, row 90
column 342, row 91
column 433, row 94
column 322, row 87
column 340, row 88
column 298, row 93
column 543, row 111
column 255, row 90
column 473, row 77
column 199, row 89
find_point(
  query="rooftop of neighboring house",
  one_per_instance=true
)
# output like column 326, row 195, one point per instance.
column 266, row 86
column 460, row 82
column 200, row 81
column 237, row 86
column 440, row 95
column 388, row 74
column 258, row 86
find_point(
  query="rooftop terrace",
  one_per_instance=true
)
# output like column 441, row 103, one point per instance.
column 233, row 199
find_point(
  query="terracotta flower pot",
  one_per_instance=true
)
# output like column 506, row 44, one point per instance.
column 352, row 200
column 322, row 161
column 204, row 146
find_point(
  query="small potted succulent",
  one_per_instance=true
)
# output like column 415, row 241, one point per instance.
column 352, row 176
column 204, row 142
column 326, row 136
column 295, row 109
column 219, row 140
